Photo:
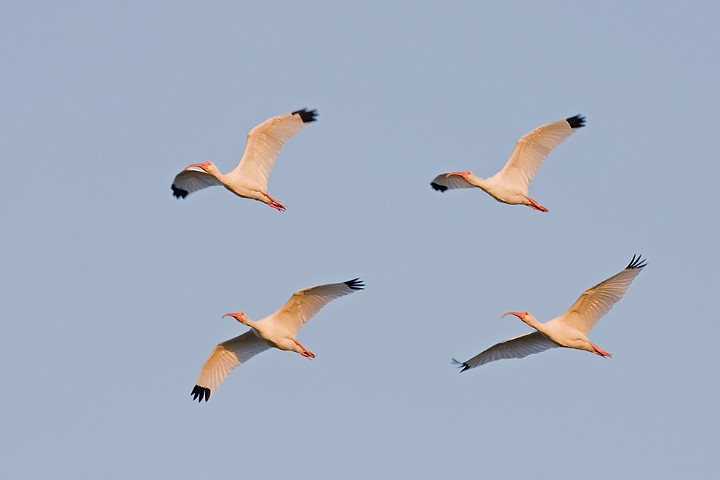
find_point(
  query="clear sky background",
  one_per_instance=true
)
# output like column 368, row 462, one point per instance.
column 111, row 290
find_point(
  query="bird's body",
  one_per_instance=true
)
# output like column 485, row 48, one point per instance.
column 277, row 330
column 250, row 178
column 276, row 334
column 510, row 185
column 569, row 330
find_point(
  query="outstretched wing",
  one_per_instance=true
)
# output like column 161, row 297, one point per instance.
column 305, row 303
column 517, row 347
column 595, row 302
column 532, row 149
column 225, row 357
column 444, row 182
column 191, row 180
column 264, row 144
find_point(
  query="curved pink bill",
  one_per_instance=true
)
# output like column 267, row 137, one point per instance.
column 198, row 165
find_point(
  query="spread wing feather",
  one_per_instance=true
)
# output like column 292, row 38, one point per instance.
column 264, row 143
column 191, row 180
column 517, row 347
column 304, row 304
column 444, row 182
column 223, row 359
column 595, row 302
column 533, row 147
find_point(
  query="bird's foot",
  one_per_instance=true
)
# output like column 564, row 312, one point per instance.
column 535, row 205
column 305, row 352
column 600, row 351
column 275, row 203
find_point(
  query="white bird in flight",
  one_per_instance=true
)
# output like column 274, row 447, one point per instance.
column 570, row 329
column 250, row 178
column 510, row 185
column 277, row 330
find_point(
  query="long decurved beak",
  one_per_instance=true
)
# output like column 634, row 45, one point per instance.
column 229, row 315
column 201, row 166
column 517, row 314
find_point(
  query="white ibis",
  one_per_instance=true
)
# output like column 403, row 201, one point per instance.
column 278, row 330
column 510, row 185
column 570, row 329
column 250, row 178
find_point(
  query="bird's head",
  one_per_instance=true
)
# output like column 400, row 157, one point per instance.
column 239, row 316
column 521, row 315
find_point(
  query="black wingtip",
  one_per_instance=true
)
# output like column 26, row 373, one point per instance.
column 461, row 365
column 638, row 262
column 438, row 187
column 199, row 393
column 179, row 192
column 578, row 121
column 305, row 115
column 355, row 284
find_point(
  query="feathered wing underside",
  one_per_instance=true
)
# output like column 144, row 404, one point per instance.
column 597, row 301
column 224, row 358
column 264, row 143
column 191, row 180
column 442, row 182
column 304, row 304
column 517, row 347
column 532, row 149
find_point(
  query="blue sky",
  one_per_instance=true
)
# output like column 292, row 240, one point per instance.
column 112, row 290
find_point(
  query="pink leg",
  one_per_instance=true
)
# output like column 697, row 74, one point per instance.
column 274, row 203
column 600, row 351
column 306, row 353
column 535, row 205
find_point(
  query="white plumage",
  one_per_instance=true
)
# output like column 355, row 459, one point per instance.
column 250, row 178
column 569, row 329
column 277, row 330
column 510, row 185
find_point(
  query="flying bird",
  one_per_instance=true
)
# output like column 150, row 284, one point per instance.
column 278, row 330
column 510, row 185
column 250, row 178
column 570, row 329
